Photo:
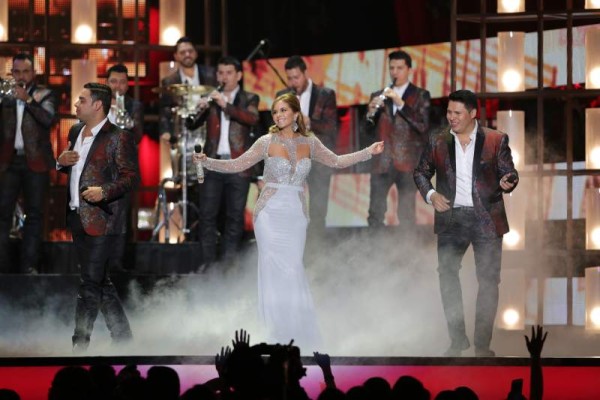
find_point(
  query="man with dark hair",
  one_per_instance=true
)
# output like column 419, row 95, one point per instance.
column 189, row 73
column 399, row 116
column 133, row 111
column 473, row 167
column 26, row 157
column 117, row 79
column 319, row 110
column 102, row 169
column 230, row 115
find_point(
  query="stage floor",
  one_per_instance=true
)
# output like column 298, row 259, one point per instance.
column 490, row 378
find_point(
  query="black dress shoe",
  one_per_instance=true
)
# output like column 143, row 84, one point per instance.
column 484, row 353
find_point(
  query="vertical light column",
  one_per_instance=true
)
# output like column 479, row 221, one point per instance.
column 592, row 138
column 3, row 20
column 171, row 21
column 592, row 298
column 592, row 218
column 82, row 72
column 592, row 58
column 83, row 21
column 513, row 123
column 511, row 302
column 165, row 69
column 511, row 61
column 511, row 6
column 592, row 4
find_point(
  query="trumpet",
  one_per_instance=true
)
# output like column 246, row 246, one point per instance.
column 7, row 87
column 372, row 115
column 123, row 120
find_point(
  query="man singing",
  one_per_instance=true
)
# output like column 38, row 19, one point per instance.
column 473, row 167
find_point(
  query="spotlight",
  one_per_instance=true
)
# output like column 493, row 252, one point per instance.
column 595, row 317
column 511, row 79
column 512, row 238
column 170, row 35
column 83, row 34
column 511, row 317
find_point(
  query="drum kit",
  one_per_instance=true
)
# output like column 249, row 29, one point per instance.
column 182, row 145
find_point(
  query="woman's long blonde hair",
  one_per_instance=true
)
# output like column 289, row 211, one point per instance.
column 292, row 101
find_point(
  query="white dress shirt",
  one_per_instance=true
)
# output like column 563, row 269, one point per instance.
column 304, row 98
column 82, row 147
column 464, row 171
column 19, row 143
column 223, row 149
column 400, row 91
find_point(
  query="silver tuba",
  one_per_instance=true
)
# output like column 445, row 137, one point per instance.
column 123, row 120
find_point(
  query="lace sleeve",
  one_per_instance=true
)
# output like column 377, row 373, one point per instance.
column 243, row 162
column 325, row 156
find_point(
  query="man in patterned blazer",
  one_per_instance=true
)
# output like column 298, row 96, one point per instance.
column 230, row 115
column 473, row 167
column 319, row 110
column 25, row 158
column 401, row 121
column 101, row 161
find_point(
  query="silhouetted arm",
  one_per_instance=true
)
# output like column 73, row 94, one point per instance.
column 534, row 346
column 324, row 362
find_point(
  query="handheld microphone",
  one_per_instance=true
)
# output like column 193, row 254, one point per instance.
column 258, row 48
column 199, row 169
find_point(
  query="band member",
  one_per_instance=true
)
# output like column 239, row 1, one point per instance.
column 25, row 158
column 399, row 116
column 473, row 167
column 230, row 115
column 132, row 119
column 102, row 169
column 319, row 111
column 189, row 73
column 117, row 80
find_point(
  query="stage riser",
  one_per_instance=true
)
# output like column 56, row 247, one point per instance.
column 489, row 382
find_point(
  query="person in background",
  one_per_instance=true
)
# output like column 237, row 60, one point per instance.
column 26, row 157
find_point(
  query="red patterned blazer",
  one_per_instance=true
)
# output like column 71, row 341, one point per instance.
column 405, row 133
column 243, row 115
column 112, row 163
column 492, row 160
column 38, row 118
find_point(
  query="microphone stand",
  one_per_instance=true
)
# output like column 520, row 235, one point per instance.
column 272, row 68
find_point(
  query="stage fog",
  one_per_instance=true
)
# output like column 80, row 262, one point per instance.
column 375, row 294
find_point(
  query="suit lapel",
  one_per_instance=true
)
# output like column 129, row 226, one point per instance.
column 103, row 131
column 479, row 141
column 313, row 99
column 408, row 93
column 450, row 142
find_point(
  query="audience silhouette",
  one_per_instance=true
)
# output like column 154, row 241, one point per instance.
column 261, row 372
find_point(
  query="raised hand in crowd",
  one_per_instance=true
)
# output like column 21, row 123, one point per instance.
column 242, row 339
column 535, row 346
column 324, row 362
column 221, row 360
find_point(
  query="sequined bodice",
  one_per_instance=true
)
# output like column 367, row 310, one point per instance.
column 287, row 171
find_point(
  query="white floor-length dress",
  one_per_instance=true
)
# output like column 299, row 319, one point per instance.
column 280, row 221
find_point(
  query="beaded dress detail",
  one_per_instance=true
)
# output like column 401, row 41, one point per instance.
column 280, row 221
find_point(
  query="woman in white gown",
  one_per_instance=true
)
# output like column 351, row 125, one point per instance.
column 280, row 218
